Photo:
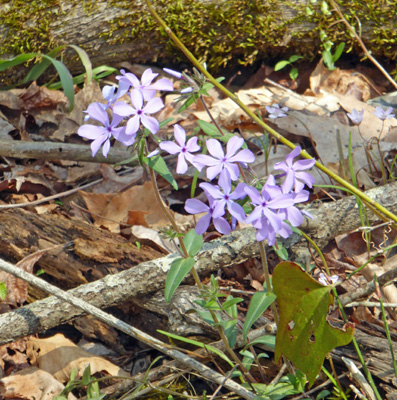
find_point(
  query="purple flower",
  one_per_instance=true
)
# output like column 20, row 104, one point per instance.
column 219, row 161
column 294, row 177
column 176, row 74
column 184, row 149
column 145, row 85
column 356, row 116
column 267, row 203
column 382, row 114
column 265, row 230
column 139, row 113
column 276, row 112
column 101, row 134
column 195, row 206
column 224, row 198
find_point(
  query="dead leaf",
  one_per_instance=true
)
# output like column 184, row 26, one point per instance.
column 17, row 289
column 31, row 384
column 41, row 97
column 109, row 210
column 58, row 356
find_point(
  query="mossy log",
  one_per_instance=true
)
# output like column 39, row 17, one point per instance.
column 222, row 33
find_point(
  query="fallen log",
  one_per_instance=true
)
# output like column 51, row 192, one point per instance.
column 222, row 34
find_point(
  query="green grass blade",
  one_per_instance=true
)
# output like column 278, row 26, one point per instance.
column 85, row 59
column 66, row 79
column 22, row 58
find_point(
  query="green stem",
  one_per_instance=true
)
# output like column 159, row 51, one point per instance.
column 265, row 265
column 274, row 133
column 195, row 275
column 386, row 328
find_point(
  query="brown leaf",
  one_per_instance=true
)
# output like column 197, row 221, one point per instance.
column 41, row 97
column 59, row 356
column 31, row 384
column 109, row 210
column 17, row 289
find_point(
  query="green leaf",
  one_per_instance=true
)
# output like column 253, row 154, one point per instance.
column 209, row 129
column 165, row 122
column 3, row 291
column 327, row 58
column 294, row 73
column 85, row 60
column 267, row 340
column 230, row 303
column 338, row 52
column 193, row 242
column 158, row 164
column 294, row 58
column 66, row 79
column 198, row 344
column 304, row 335
column 281, row 251
column 281, row 65
column 86, row 378
column 190, row 100
column 40, row 67
column 230, row 330
column 22, row 58
column 180, row 267
column 259, row 303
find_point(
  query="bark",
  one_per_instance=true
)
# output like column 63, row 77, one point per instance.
column 221, row 33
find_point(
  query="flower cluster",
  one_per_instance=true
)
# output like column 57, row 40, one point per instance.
column 357, row 116
column 271, row 209
column 143, row 104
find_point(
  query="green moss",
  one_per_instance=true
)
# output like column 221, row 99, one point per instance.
column 217, row 32
column 27, row 25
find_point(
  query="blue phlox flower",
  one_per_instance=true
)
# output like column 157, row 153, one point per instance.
column 184, row 149
column 140, row 112
column 195, row 206
column 219, row 161
column 145, row 85
column 225, row 198
column 294, row 176
column 101, row 135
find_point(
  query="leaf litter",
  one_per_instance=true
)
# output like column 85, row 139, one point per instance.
column 316, row 119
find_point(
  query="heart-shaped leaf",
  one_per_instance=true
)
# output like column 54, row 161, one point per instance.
column 304, row 335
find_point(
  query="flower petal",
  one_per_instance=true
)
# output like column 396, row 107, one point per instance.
column 182, row 166
column 97, row 112
column 91, row 132
column 202, row 224
column 215, row 149
column 150, row 123
column 153, row 106
column 133, row 125
column 233, row 145
column 180, row 135
column 195, row 206
column 170, row 147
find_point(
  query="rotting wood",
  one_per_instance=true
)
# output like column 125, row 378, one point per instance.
column 26, row 231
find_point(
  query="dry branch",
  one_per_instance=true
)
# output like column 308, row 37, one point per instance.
column 60, row 151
